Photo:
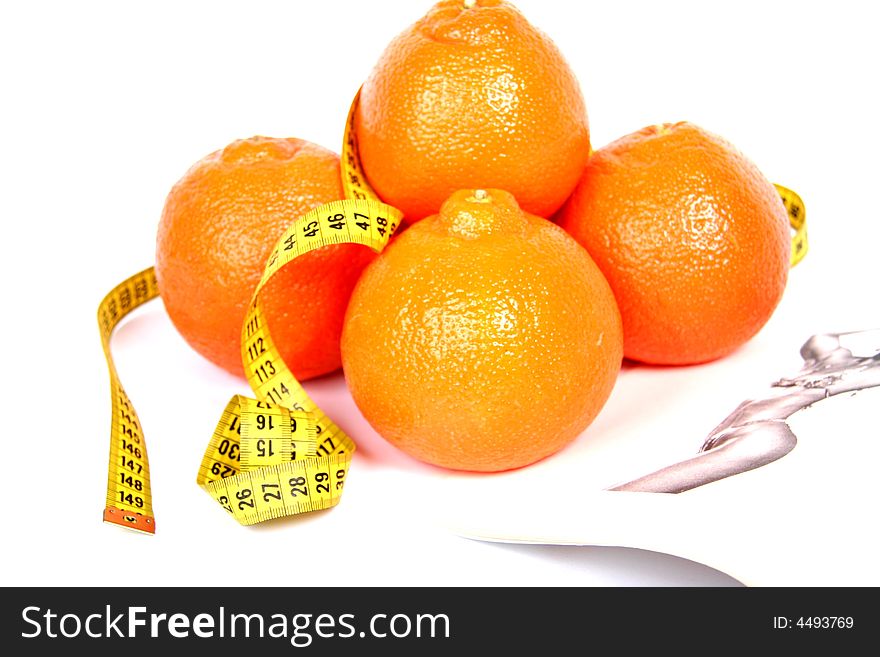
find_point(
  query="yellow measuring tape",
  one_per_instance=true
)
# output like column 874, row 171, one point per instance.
column 292, row 458
column 129, row 501
column 797, row 217
column 279, row 454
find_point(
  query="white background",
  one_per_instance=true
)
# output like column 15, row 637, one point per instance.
column 103, row 106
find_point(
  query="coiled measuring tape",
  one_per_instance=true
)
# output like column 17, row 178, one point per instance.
column 278, row 454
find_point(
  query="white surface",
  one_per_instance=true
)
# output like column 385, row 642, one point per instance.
column 806, row 519
column 105, row 105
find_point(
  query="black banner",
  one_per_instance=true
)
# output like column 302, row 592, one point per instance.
column 431, row 621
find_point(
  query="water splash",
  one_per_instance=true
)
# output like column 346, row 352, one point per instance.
column 756, row 432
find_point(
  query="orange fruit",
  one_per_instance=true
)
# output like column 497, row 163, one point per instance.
column 472, row 95
column 692, row 238
column 483, row 338
column 218, row 227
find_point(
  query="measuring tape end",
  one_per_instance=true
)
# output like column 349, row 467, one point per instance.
column 134, row 521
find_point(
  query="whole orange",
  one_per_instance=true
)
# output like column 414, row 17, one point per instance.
column 472, row 95
column 483, row 338
column 218, row 227
column 692, row 238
